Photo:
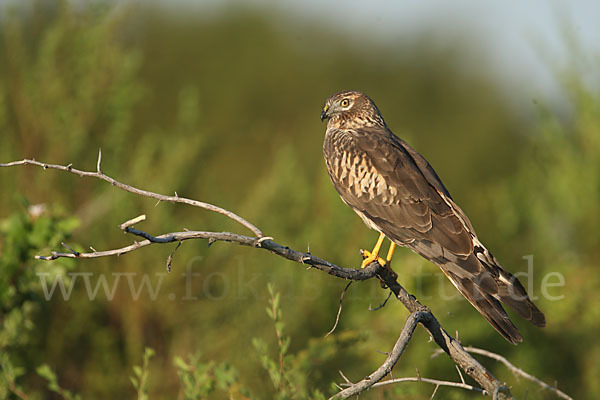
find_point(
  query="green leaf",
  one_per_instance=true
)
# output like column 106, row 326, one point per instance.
column 181, row 364
column 149, row 353
column 134, row 381
column 46, row 372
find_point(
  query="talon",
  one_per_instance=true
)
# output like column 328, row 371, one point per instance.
column 369, row 257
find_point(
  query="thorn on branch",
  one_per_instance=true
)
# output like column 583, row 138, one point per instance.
column 462, row 379
column 211, row 241
column 98, row 170
column 344, row 376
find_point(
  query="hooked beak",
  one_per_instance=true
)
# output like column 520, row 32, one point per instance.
column 324, row 114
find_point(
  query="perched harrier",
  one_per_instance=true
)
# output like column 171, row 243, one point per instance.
column 396, row 192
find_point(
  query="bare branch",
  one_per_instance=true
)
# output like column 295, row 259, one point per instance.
column 432, row 381
column 450, row 346
column 172, row 199
column 385, row 368
column 518, row 371
column 263, row 243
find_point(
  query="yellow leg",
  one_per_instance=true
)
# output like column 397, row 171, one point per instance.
column 390, row 253
column 369, row 257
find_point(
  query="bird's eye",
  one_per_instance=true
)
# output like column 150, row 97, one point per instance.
column 345, row 103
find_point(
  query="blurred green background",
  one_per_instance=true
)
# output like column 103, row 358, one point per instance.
column 221, row 104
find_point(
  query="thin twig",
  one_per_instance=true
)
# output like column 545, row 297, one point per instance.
column 434, row 392
column 132, row 222
column 172, row 199
column 518, row 371
column 337, row 318
column 170, row 258
column 462, row 379
column 69, row 248
column 382, row 304
column 432, row 381
column 346, row 379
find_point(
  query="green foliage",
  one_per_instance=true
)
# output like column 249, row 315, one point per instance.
column 291, row 374
column 140, row 378
column 278, row 368
column 554, row 203
column 224, row 108
column 200, row 379
column 33, row 230
column 46, row 372
column 10, row 375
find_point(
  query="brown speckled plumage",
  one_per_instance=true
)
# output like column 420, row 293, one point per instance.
column 396, row 192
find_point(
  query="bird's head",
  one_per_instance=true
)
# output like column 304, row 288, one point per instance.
column 351, row 108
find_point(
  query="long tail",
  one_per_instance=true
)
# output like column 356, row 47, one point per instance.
column 484, row 283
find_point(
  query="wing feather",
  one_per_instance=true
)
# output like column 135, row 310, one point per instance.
column 395, row 190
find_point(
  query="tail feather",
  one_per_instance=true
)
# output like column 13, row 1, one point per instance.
column 488, row 306
column 484, row 283
column 512, row 293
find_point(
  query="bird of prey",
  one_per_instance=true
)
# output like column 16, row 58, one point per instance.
column 397, row 193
